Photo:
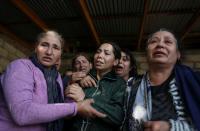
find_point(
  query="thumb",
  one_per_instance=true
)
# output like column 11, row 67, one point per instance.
column 90, row 101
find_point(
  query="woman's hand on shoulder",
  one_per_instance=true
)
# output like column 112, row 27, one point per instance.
column 87, row 81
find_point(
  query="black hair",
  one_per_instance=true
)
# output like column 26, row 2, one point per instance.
column 133, row 64
column 167, row 30
column 80, row 54
column 178, row 45
column 116, row 49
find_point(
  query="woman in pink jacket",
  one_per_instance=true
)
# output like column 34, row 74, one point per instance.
column 31, row 93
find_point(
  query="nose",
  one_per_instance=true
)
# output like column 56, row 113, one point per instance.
column 100, row 55
column 49, row 51
column 81, row 64
column 160, row 43
column 120, row 61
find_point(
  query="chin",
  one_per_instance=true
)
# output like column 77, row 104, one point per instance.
column 47, row 64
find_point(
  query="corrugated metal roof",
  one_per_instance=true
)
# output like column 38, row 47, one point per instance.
column 172, row 22
column 52, row 8
column 118, row 20
column 10, row 14
column 160, row 5
column 118, row 26
column 114, row 7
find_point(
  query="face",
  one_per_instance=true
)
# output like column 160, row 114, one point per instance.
column 104, row 58
column 48, row 50
column 82, row 64
column 162, row 49
column 124, row 66
column 58, row 64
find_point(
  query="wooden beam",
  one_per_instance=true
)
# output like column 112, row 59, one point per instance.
column 24, row 46
column 30, row 13
column 89, row 21
column 33, row 16
column 190, row 24
column 142, row 23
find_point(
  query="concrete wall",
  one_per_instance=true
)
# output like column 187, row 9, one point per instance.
column 8, row 52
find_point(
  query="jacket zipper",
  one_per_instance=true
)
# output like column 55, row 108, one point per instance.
column 85, row 123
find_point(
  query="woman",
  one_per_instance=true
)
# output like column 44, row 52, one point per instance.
column 127, row 65
column 31, row 96
column 81, row 63
column 81, row 66
column 126, row 69
column 107, row 94
column 161, row 99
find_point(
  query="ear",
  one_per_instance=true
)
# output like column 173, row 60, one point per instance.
column 116, row 62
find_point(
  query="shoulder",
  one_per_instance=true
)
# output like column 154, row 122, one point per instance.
column 21, row 63
column 20, row 67
column 135, row 79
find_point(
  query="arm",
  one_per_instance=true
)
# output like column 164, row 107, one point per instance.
column 18, row 87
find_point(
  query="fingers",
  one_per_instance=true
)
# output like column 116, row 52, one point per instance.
column 85, row 109
column 77, row 76
column 93, row 111
column 90, row 101
column 69, row 88
column 97, row 113
column 91, row 82
column 87, row 82
column 75, row 92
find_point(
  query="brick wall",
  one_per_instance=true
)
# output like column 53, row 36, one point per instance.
column 8, row 52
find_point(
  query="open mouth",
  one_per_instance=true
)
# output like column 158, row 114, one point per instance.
column 83, row 69
column 119, row 68
column 47, row 59
column 98, row 63
column 159, row 53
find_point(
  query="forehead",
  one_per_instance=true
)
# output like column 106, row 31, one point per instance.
column 163, row 34
column 107, row 47
column 124, row 55
column 79, row 58
column 51, row 38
